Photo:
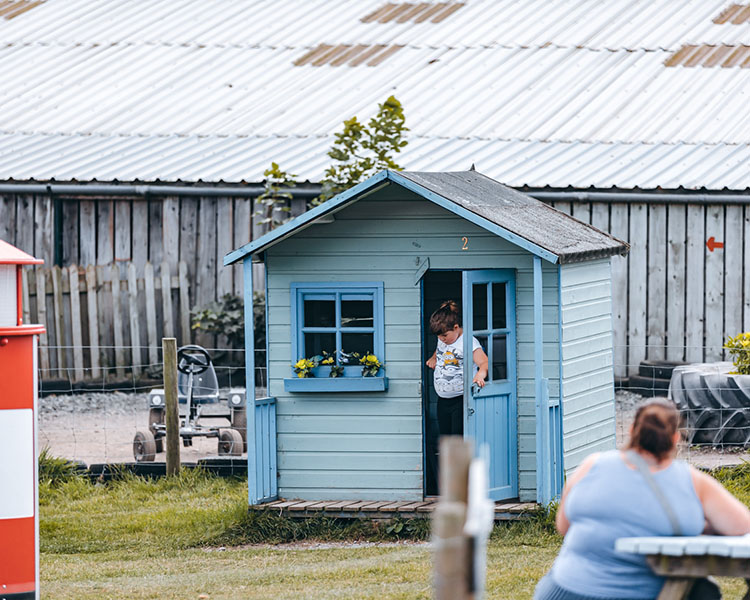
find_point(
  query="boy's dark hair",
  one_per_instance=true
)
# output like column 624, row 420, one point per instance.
column 445, row 318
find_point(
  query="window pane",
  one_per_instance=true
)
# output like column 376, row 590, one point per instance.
column 480, row 306
column 499, row 357
column 356, row 313
column 317, row 343
column 320, row 313
column 499, row 320
column 361, row 343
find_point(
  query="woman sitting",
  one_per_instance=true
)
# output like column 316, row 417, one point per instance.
column 609, row 497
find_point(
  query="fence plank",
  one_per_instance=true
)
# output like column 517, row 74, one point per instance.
column 58, row 317
column 140, row 234
column 637, row 287
column 733, row 272
column 676, row 283
column 93, row 319
column 695, row 293
column 123, row 233
column 242, row 234
column 70, row 227
column 153, row 350
column 205, row 277
column 8, row 218
column 171, row 230
column 166, row 300
column 117, row 327
column 135, row 335
column 565, row 207
column 106, row 334
column 25, row 224
column 224, row 223
column 40, row 275
column 657, row 292
column 155, row 243
column 87, row 233
column 619, row 229
column 714, row 283
column 105, row 232
column 25, row 306
column 581, row 211
column 189, row 239
column 184, row 304
column 75, row 322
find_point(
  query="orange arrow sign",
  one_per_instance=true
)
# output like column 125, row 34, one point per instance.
column 713, row 244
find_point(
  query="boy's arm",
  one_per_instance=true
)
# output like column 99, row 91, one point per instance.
column 481, row 360
column 432, row 361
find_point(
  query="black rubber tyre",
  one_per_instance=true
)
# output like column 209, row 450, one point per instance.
column 648, row 386
column 658, row 369
column 230, row 443
column 144, row 446
column 716, row 406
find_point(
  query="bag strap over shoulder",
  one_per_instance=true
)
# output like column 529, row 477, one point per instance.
column 637, row 460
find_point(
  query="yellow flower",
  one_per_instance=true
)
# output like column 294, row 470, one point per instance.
column 327, row 361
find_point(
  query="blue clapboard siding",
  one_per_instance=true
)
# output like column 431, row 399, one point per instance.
column 369, row 445
column 587, row 360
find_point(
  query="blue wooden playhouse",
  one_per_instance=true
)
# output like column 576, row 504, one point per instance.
column 363, row 272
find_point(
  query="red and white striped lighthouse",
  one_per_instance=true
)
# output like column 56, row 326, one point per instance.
column 19, row 504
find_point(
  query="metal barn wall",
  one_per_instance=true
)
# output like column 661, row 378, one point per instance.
column 85, row 230
column 586, row 361
column 369, row 446
column 677, row 295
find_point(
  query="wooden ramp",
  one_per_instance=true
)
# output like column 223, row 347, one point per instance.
column 383, row 510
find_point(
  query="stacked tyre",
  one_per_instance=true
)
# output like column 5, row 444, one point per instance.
column 653, row 377
column 714, row 403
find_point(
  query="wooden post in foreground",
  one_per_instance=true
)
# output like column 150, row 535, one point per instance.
column 172, row 417
column 452, row 548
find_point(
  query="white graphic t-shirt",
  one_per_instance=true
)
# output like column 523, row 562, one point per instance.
column 449, row 368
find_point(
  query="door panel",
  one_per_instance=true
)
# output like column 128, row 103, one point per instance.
column 491, row 413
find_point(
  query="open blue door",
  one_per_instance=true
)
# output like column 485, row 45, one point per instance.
column 490, row 416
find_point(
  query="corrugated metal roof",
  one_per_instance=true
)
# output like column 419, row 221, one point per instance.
column 539, row 93
column 521, row 219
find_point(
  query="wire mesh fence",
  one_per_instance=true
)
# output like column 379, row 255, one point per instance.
column 95, row 420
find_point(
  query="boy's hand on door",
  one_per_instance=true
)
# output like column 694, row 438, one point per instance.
column 479, row 379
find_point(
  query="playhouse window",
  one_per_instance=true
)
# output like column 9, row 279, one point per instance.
column 342, row 320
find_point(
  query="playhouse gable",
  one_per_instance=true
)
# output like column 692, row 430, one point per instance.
column 524, row 221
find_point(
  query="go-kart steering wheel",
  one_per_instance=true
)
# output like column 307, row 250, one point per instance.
column 192, row 359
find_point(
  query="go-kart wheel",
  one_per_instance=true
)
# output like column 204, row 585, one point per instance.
column 144, row 446
column 230, row 443
column 239, row 422
column 192, row 359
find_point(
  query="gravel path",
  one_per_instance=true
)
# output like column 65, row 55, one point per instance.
column 99, row 427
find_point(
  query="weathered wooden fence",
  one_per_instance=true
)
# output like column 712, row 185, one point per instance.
column 682, row 290
column 685, row 285
column 104, row 321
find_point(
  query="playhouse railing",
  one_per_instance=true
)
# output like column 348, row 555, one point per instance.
column 262, row 456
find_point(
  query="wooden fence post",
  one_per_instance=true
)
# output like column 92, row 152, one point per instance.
column 172, row 417
column 452, row 548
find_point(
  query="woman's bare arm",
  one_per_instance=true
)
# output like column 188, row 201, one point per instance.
column 725, row 514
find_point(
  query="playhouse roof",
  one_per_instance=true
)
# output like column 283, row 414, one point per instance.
column 516, row 217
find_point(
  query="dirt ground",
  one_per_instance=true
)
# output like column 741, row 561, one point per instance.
column 99, row 427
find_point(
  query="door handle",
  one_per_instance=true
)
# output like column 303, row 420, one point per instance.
column 474, row 389
column 471, row 411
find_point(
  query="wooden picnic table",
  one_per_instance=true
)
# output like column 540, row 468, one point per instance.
column 682, row 560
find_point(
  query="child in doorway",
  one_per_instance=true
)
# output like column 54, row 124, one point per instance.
column 448, row 363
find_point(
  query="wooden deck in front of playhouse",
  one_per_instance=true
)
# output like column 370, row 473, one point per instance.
column 383, row 510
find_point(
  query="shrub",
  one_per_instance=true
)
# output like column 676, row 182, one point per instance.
column 739, row 349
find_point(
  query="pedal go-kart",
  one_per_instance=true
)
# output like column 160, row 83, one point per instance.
column 198, row 400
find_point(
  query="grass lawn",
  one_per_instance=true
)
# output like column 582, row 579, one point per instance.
column 192, row 537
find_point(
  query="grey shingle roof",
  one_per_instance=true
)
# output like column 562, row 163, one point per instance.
column 521, row 219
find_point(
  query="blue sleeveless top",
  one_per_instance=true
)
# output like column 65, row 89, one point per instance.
column 614, row 501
